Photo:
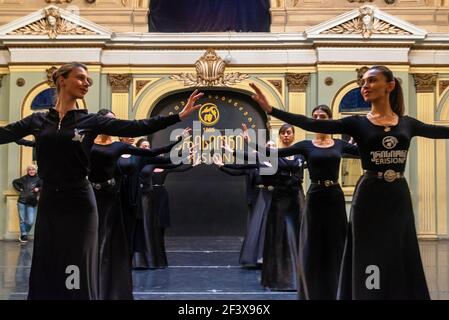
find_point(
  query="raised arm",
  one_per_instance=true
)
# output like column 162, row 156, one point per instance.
column 297, row 148
column 422, row 129
column 310, row 124
column 154, row 160
column 320, row 126
column 133, row 128
column 350, row 150
column 16, row 130
column 176, row 167
column 26, row 143
column 237, row 169
column 130, row 149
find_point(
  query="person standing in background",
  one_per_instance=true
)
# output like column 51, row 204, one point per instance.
column 29, row 186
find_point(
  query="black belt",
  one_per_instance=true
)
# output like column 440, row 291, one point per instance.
column 326, row 183
column 101, row 185
column 262, row 186
column 389, row 175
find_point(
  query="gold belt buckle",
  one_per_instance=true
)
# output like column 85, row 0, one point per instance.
column 390, row 175
column 328, row 183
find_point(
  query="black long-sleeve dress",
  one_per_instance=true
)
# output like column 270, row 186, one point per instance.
column 324, row 222
column 149, row 241
column 280, row 258
column 381, row 257
column 251, row 253
column 65, row 255
column 115, row 279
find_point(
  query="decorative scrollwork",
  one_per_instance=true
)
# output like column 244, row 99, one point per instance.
column 366, row 25
column 52, row 25
column 210, row 71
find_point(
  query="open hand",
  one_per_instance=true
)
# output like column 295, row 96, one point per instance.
column 260, row 98
column 190, row 106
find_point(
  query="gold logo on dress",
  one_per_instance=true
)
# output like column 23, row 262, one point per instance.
column 209, row 114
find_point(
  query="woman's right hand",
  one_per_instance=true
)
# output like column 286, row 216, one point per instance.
column 260, row 98
column 190, row 106
column 217, row 160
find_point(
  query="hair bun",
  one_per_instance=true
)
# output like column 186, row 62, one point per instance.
column 53, row 76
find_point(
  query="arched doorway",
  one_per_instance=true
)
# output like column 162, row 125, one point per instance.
column 205, row 201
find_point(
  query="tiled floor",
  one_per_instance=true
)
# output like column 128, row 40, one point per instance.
column 203, row 268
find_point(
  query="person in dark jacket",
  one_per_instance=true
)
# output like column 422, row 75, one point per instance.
column 29, row 186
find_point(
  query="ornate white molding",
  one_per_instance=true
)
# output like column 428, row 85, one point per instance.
column 210, row 71
column 366, row 22
column 53, row 22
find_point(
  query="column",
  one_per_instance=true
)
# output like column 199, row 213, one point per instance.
column 425, row 84
column 120, row 94
column 297, row 85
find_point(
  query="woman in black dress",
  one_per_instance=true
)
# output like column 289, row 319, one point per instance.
column 381, row 257
column 324, row 222
column 251, row 253
column 280, row 257
column 115, row 276
column 148, row 251
column 149, row 241
column 65, row 255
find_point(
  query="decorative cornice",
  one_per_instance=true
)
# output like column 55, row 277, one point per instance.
column 277, row 84
column 297, row 82
column 425, row 82
column 119, row 82
column 210, row 71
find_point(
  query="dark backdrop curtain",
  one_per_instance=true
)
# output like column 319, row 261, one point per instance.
column 209, row 15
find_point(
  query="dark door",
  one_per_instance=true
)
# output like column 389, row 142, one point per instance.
column 204, row 200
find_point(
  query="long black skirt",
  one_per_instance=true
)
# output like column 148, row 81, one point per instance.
column 251, row 253
column 65, row 255
column 322, row 239
column 114, row 263
column 160, row 205
column 149, row 250
column 280, row 256
column 381, row 257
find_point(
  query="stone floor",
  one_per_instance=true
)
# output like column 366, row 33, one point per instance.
column 204, row 268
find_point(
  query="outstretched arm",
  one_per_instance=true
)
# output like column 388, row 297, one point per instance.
column 26, row 143
column 15, row 131
column 422, row 129
column 350, row 150
column 134, row 128
column 130, row 149
column 320, row 126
